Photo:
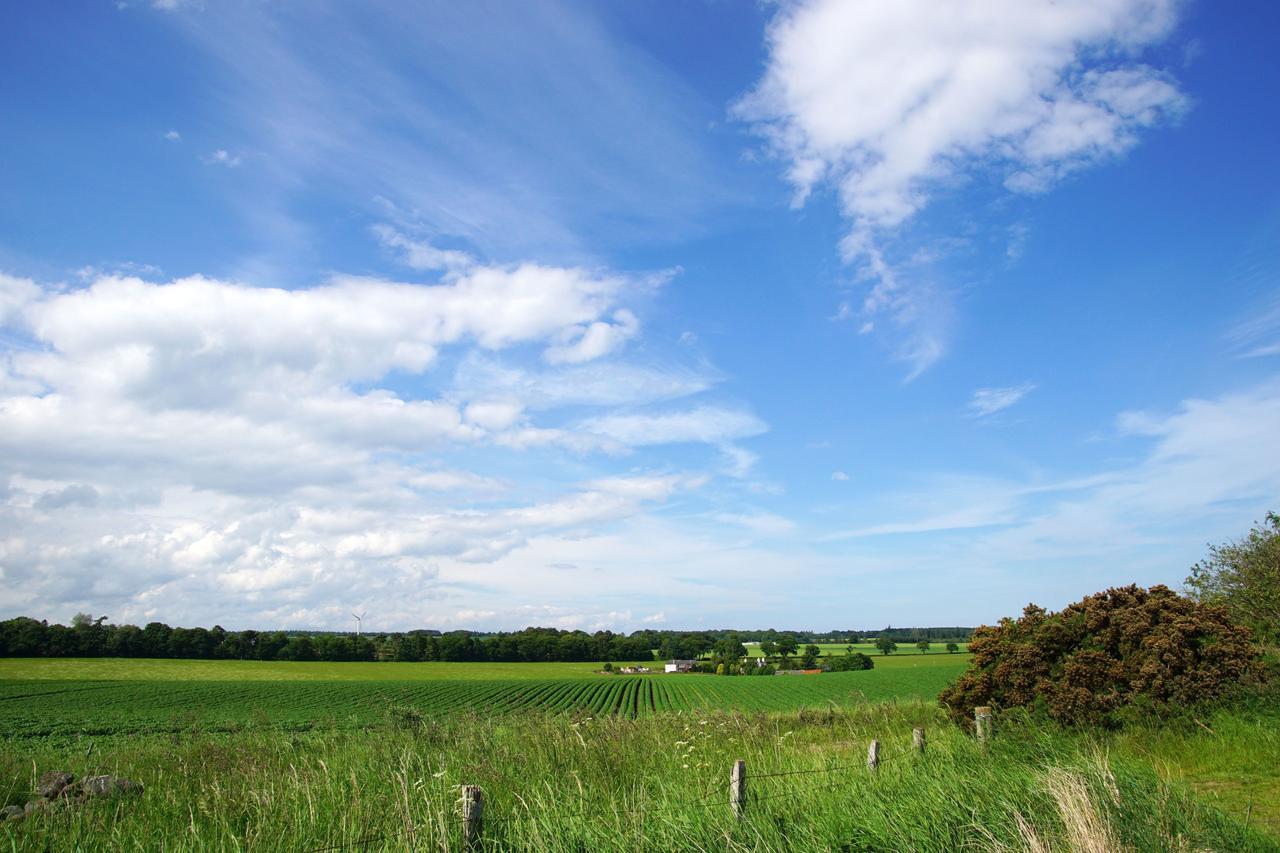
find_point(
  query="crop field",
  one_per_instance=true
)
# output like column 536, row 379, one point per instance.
column 148, row 702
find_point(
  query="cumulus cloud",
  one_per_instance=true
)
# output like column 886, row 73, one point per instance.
column 988, row 401
column 888, row 102
column 839, row 476
column 587, row 343
column 252, row 451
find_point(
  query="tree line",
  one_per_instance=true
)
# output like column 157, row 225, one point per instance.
column 88, row 636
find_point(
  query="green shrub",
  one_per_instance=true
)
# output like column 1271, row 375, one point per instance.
column 1098, row 659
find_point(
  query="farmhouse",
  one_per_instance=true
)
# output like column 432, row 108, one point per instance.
column 680, row 666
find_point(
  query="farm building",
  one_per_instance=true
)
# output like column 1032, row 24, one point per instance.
column 680, row 665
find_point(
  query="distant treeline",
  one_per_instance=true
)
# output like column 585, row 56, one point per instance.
column 89, row 637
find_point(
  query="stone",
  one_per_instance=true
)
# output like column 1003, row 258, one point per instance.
column 12, row 813
column 53, row 783
column 104, row 786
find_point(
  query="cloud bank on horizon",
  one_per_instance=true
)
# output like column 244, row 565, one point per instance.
column 497, row 321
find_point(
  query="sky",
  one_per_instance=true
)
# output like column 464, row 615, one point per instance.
column 808, row 314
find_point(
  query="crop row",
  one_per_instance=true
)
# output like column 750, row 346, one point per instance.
column 102, row 707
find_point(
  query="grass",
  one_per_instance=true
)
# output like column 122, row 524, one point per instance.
column 553, row 783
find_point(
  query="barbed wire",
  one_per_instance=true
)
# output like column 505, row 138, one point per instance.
column 711, row 800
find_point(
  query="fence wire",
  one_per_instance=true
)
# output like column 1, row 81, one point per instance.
column 711, row 800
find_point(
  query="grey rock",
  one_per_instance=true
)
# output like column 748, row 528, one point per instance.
column 104, row 786
column 12, row 813
column 53, row 783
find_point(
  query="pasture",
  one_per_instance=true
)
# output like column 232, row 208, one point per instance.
column 591, row 782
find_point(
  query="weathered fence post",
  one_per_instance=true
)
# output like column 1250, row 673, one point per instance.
column 873, row 755
column 738, row 787
column 472, row 816
column 982, row 723
column 917, row 740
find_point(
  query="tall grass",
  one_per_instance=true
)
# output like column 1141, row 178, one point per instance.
column 588, row 783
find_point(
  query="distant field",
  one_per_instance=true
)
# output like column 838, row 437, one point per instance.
column 148, row 669
column 97, row 697
column 905, row 647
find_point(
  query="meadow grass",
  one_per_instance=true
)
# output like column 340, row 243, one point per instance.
column 586, row 783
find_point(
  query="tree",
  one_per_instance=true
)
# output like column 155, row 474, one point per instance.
column 886, row 645
column 850, row 662
column 923, row 646
column 1244, row 577
column 1114, row 655
column 787, row 645
column 810, row 657
column 952, row 648
column 768, row 648
column 729, row 651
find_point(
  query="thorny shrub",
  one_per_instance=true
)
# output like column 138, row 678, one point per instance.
column 1101, row 660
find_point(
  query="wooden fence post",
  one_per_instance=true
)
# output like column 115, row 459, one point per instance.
column 738, row 787
column 873, row 755
column 472, row 816
column 917, row 740
column 982, row 723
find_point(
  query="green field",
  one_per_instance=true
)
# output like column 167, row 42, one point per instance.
column 40, row 697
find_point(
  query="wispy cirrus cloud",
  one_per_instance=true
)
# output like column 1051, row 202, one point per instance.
column 989, row 401
column 889, row 104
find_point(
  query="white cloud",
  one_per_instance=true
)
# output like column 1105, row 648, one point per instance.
column 1256, row 337
column 605, row 383
column 655, row 618
column 839, row 476
column 988, row 401
column 762, row 523
column 223, row 157
column 888, row 102
column 738, row 461
column 587, row 343
column 706, row 424
column 173, row 135
column 420, row 254
column 205, row 450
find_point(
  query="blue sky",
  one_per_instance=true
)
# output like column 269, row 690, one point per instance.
column 810, row 314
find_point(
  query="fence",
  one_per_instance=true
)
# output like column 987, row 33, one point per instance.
column 738, row 798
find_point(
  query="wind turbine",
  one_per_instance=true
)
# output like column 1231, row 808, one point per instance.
column 359, row 621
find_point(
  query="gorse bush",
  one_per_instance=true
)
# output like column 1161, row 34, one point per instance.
column 1114, row 653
